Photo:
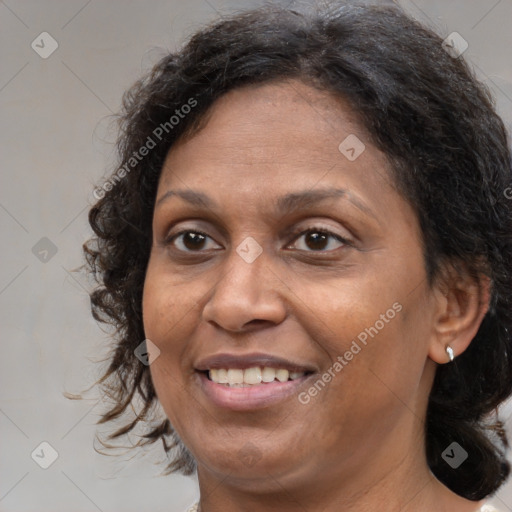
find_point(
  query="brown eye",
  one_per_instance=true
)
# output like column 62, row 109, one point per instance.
column 189, row 240
column 318, row 239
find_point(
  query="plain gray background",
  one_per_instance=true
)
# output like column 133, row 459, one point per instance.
column 56, row 143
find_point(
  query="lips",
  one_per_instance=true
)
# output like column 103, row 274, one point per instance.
column 252, row 397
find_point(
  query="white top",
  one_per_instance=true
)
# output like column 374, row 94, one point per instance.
column 485, row 508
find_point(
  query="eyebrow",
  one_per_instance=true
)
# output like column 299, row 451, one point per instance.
column 288, row 203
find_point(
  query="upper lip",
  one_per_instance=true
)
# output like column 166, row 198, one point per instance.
column 244, row 361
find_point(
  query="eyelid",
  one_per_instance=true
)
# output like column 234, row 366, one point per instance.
column 296, row 232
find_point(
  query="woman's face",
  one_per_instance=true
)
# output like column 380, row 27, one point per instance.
column 310, row 260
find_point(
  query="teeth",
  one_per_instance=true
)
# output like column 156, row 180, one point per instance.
column 252, row 376
column 235, row 377
column 282, row 375
column 222, row 376
column 269, row 374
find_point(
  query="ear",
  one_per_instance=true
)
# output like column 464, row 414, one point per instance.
column 462, row 300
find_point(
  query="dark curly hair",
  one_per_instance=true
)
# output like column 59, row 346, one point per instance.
column 450, row 159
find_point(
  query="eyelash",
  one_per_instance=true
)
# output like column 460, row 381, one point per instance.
column 296, row 234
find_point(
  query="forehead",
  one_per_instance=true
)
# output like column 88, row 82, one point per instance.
column 267, row 140
column 288, row 119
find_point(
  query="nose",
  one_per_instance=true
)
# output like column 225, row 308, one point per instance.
column 246, row 295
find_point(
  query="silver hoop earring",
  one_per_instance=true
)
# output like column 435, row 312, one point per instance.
column 449, row 351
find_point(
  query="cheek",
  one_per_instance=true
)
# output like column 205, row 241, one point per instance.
column 352, row 310
column 170, row 317
column 164, row 303
column 162, row 309
column 379, row 330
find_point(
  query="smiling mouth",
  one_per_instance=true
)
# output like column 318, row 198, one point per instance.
column 238, row 395
column 254, row 376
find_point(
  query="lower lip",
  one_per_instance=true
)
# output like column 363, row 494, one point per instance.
column 250, row 398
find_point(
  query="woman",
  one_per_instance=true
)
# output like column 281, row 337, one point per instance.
column 306, row 252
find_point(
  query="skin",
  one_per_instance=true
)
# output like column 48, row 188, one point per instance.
column 359, row 444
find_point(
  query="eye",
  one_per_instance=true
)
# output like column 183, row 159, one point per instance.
column 188, row 240
column 318, row 239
